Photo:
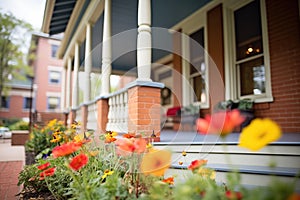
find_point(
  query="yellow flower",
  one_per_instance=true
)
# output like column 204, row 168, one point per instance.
column 183, row 153
column 80, row 137
column 156, row 162
column 180, row 162
column 107, row 173
column 206, row 172
column 259, row 133
column 94, row 153
column 56, row 137
column 149, row 146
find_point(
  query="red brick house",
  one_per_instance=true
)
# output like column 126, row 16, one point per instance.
column 203, row 51
column 48, row 78
column 16, row 105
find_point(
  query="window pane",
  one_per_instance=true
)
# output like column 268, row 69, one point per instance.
column 54, row 76
column 252, row 77
column 54, row 49
column 199, row 94
column 196, row 51
column 53, row 102
column 5, row 102
column 248, row 31
column 27, row 102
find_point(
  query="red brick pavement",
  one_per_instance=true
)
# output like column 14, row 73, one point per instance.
column 9, row 172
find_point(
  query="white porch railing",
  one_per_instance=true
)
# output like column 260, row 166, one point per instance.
column 118, row 111
column 92, row 109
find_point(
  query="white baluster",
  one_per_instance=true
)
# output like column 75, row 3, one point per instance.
column 126, row 112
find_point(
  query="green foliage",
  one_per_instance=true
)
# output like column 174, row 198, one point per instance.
column 13, row 64
column 59, row 182
column 20, row 125
column 108, row 176
column 41, row 138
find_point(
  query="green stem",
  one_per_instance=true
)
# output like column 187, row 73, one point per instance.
column 49, row 188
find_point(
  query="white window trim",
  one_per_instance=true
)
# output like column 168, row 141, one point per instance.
column 194, row 23
column 229, row 52
column 55, row 68
column 56, row 95
column 49, row 79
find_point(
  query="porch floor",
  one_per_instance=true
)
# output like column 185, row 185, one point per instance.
column 167, row 136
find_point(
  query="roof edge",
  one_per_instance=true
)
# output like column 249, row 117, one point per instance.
column 49, row 7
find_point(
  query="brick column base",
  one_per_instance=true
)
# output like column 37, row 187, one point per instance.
column 72, row 116
column 102, row 114
column 144, row 111
column 84, row 111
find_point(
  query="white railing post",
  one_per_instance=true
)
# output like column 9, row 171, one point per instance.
column 75, row 77
column 88, row 63
column 118, row 112
column 106, row 49
column 68, row 89
column 144, row 41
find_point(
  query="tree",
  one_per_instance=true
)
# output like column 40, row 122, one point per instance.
column 13, row 63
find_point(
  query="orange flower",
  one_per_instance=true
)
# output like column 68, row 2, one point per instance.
column 180, row 163
column 222, row 122
column 233, row 195
column 294, row 196
column 44, row 166
column 47, row 172
column 156, row 162
column 196, row 164
column 78, row 162
column 133, row 145
column 110, row 137
column 65, row 149
column 129, row 135
column 169, row 180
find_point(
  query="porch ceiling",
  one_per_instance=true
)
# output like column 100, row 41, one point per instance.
column 165, row 14
column 60, row 16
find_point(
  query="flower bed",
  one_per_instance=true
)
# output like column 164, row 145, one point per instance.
column 72, row 166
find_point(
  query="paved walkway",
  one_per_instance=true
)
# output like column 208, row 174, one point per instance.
column 12, row 159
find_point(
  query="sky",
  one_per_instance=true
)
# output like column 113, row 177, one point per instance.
column 31, row 11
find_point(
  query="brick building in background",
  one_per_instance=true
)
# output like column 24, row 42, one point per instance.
column 48, row 79
column 16, row 104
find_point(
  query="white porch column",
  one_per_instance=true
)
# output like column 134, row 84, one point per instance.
column 88, row 63
column 75, row 77
column 144, row 40
column 63, row 90
column 106, row 49
column 68, row 87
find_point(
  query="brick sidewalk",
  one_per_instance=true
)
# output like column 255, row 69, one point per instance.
column 9, row 172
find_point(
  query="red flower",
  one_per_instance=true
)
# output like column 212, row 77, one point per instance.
column 137, row 145
column 47, row 172
column 65, row 149
column 129, row 135
column 78, row 162
column 169, row 180
column 44, row 166
column 222, row 122
column 233, row 195
column 196, row 164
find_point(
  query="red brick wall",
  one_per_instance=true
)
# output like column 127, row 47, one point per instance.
column 15, row 109
column 43, row 60
column 144, row 110
column 284, row 46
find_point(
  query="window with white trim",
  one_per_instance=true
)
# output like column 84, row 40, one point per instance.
column 27, row 102
column 197, row 68
column 53, row 103
column 5, row 102
column 54, row 77
column 250, row 61
column 54, row 49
